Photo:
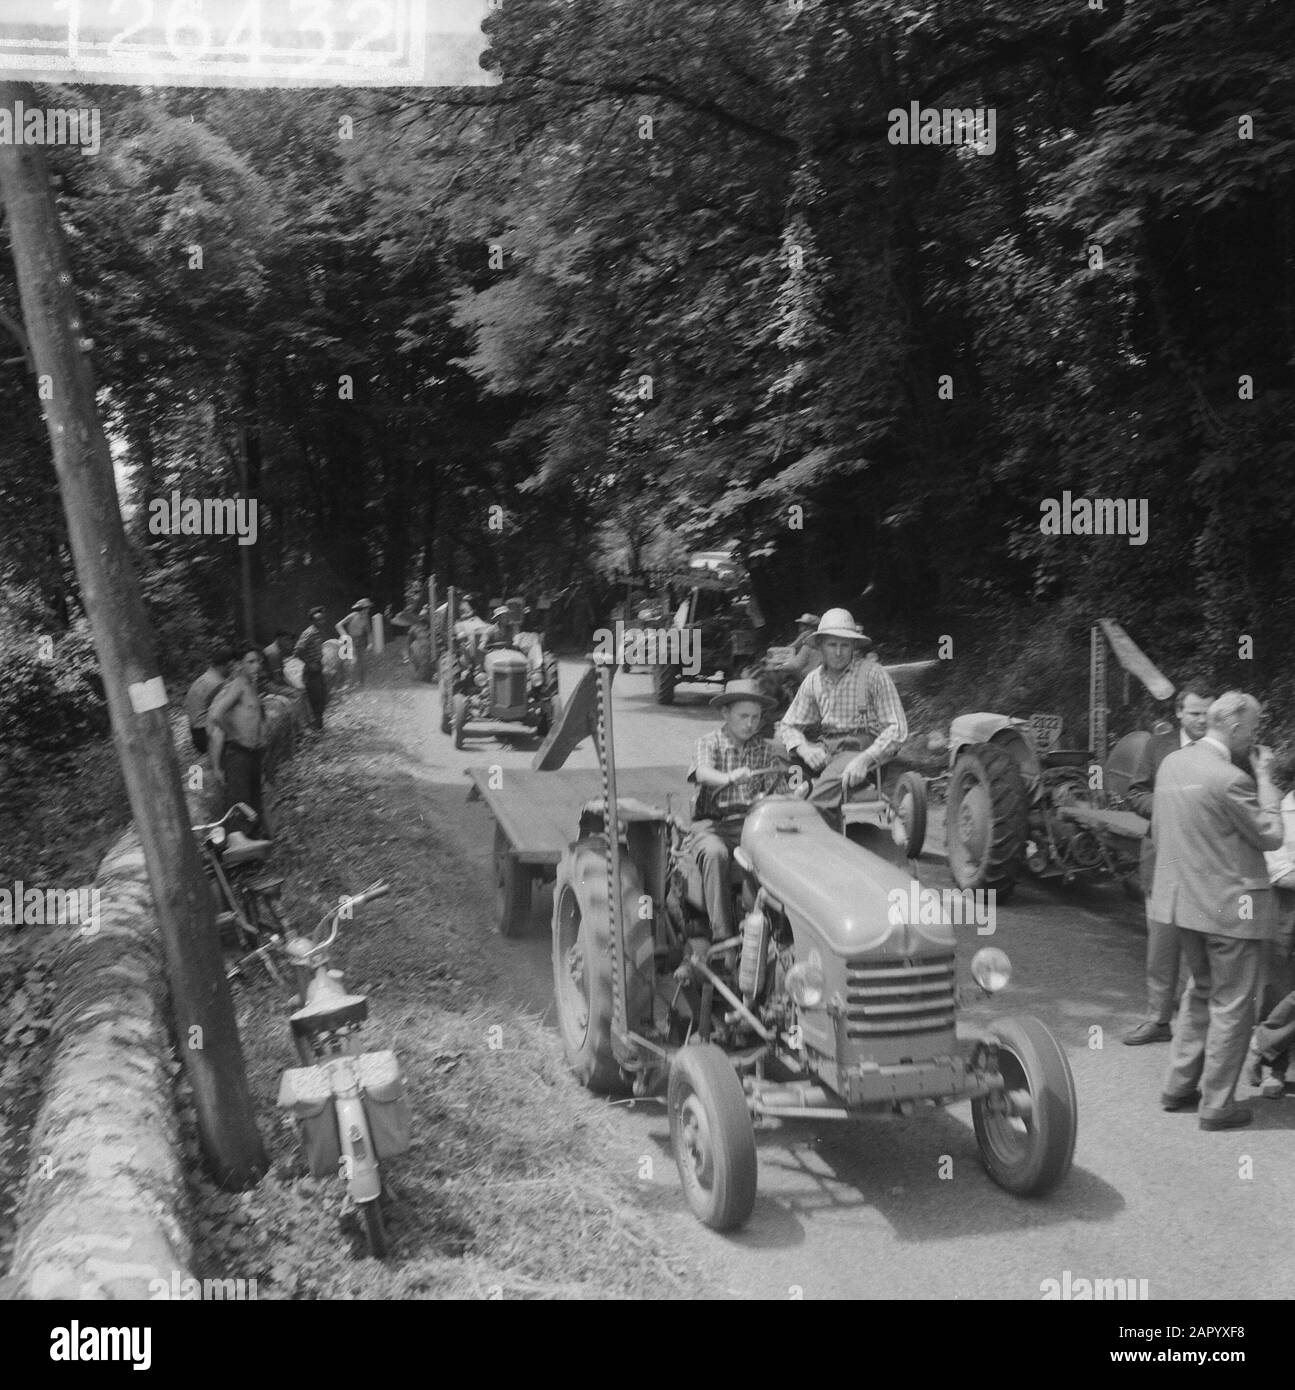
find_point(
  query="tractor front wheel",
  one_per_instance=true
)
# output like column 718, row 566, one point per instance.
column 986, row 823
column 908, row 829
column 712, row 1137
column 1026, row 1131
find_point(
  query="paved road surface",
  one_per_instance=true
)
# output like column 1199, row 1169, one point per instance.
column 862, row 1211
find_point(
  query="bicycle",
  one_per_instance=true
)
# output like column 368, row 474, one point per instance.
column 349, row 1104
column 246, row 905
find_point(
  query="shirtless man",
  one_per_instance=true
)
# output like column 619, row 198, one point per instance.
column 237, row 737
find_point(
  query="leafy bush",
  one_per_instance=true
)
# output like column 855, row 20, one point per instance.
column 51, row 698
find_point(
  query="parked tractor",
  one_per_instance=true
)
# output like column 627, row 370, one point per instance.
column 1016, row 804
column 496, row 679
column 826, row 1003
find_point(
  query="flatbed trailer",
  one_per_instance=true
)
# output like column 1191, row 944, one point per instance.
column 537, row 814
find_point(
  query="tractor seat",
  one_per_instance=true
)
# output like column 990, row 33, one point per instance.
column 327, row 1015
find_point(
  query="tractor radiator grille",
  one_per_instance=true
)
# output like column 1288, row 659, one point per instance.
column 893, row 997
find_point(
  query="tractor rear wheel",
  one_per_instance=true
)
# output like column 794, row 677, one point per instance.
column 908, row 829
column 583, row 980
column 664, row 680
column 1026, row 1132
column 712, row 1137
column 987, row 820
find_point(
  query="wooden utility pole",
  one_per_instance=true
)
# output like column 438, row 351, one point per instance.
column 137, row 702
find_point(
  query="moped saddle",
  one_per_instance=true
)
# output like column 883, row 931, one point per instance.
column 331, row 1013
column 251, row 852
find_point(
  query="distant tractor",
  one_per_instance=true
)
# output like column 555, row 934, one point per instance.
column 717, row 602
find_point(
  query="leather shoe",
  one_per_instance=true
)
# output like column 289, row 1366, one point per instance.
column 1236, row 1118
column 1251, row 1070
column 1149, row 1032
column 1184, row 1102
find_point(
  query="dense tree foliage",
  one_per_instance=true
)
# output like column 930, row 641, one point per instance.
column 672, row 277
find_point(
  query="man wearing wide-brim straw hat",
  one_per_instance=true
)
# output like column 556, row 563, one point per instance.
column 354, row 630
column 732, row 767
column 846, row 718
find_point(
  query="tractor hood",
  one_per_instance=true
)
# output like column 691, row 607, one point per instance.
column 836, row 889
column 504, row 659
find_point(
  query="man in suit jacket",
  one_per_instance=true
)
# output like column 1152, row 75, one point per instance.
column 1211, row 825
column 1163, row 955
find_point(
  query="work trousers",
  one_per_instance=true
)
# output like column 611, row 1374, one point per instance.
column 1216, row 1018
column 710, row 845
column 242, row 771
column 317, row 695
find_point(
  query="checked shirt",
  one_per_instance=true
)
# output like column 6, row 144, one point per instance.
column 720, row 751
column 862, row 700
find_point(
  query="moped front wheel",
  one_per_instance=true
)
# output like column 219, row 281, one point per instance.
column 375, row 1230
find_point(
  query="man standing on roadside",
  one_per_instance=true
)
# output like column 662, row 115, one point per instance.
column 354, row 632
column 1163, row 952
column 851, row 708
column 1212, row 823
column 310, row 652
column 202, row 692
column 237, row 727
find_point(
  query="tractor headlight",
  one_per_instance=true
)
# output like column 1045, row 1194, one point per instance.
column 991, row 969
column 806, row 983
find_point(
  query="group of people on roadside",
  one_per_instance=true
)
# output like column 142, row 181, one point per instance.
column 226, row 704
column 1218, row 870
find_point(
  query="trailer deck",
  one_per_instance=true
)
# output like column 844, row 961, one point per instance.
column 539, row 812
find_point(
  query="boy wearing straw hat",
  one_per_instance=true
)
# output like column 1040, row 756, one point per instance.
column 354, row 630
column 732, row 767
column 853, row 708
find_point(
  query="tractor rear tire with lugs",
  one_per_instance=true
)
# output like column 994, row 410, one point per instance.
column 583, row 983
column 987, row 820
column 664, row 680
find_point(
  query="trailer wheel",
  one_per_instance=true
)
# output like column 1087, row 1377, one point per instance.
column 513, row 883
column 583, row 987
column 447, row 705
column 712, row 1137
column 460, row 718
column 664, row 680
column 986, row 823
column 908, row 829
column 1027, row 1132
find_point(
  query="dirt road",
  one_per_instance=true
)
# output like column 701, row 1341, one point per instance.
column 903, row 1208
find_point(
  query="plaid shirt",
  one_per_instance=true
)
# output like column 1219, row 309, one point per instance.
column 721, row 752
column 862, row 700
column 310, row 649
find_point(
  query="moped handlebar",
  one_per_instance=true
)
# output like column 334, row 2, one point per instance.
column 334, row 917
column 238, row 808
